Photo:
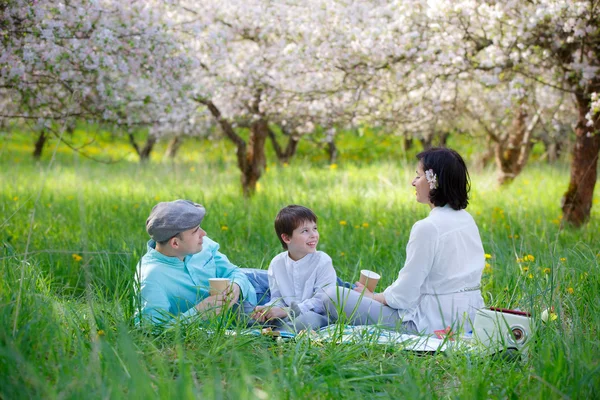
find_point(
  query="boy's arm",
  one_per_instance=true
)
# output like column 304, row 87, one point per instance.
column 226, row 269
column 326, row 277
column 274, row 289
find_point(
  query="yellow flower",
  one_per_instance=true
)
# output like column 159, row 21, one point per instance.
column 285, row 164
column 258, row 187
column 333, row 166
column 488, row 256
column 192, row 169
column 156, row 198
column 15, row 198
column 487, row 269
column 570, row 290
column 76, row 257
column 530, row 276
column 224, row 228
column 563, row 259
column 365, row 224
column 101, row 332
column 343, row 223
column 136, row 205
column 342, row 254
column 70, row 197
column 547, row 271
column 525, row 269
column 115, row 207
column 356, row 226
column 519, row 260
column 529, row 257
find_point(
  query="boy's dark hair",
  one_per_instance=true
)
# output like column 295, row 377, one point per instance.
column 289, row 218
column 452, row 177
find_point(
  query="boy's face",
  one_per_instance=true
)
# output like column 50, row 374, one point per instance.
column 303, row 241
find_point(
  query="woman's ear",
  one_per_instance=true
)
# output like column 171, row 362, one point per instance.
column 286, row 238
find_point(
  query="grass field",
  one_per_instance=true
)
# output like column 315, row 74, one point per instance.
column 72, row 231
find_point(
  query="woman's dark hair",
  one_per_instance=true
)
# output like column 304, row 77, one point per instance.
column 452, row 177
column 290, row 218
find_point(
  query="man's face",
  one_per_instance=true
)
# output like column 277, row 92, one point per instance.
column 189, row 242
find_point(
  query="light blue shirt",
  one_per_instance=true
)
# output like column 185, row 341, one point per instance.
column 169, row 287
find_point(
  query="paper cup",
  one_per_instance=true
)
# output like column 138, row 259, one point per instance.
column 218, row 285
column 369, row 279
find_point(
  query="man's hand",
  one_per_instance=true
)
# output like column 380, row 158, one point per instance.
column 265, row 313
column 214, row 302
column 232, row 295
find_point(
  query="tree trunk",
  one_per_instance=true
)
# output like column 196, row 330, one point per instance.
column 332, row 151
column 283, row 156
column 408, row 143
column 39, row 145
column 426, row 141
column 512, row 154
column 144, row 152
column 147, row 149
column 256, row 160
column 173, row 147
column 443, row 138
column 577, row 201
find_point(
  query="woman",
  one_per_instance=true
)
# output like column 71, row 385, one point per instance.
column 439, row 285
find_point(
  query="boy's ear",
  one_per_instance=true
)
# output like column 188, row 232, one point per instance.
column 286, row 238
column 174, row 242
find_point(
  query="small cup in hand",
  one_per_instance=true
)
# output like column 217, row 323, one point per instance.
column 369, row 279
column 218, row 285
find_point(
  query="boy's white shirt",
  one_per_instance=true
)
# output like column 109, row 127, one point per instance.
column 302, row 281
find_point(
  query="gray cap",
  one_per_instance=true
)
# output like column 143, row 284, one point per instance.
column 167, row 219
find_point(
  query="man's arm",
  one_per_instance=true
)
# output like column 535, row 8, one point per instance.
column 226, row 269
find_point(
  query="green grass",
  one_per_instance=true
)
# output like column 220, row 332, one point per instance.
column 66, row 322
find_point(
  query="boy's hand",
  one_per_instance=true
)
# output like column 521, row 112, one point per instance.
column 265, row 313
column 215, row 302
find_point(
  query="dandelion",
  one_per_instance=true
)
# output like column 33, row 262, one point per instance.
column 333, row 166
column 156, row 198
column 224, row 228
column 342, row 254
column 76, row 257
column 488, row 256
column 525, row 269
column 488, row 268
column 225, row 214
column 15, row 198
column 101, row 332
column 343, row 223
column 529, row 257
column 136, row 205
column 570, row 290
column 547, row 271
column 519, row 260
column 530, row 276
column 365, row 224
column 563, row 259
column 258, row 187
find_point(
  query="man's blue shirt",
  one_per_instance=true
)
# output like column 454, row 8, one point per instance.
column 169, row 287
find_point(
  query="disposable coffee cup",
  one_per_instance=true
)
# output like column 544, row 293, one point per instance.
column 218, row 285
column 369, row 279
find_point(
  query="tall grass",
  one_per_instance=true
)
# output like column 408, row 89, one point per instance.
column 65, row 300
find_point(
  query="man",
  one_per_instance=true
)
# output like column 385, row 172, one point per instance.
column 173, row 275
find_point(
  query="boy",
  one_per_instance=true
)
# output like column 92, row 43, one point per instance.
column 298, row 276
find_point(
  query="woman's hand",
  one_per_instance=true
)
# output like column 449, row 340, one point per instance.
column 363, row 289
column 367, row 293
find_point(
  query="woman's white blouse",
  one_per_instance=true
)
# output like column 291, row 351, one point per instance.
column 439, row 283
